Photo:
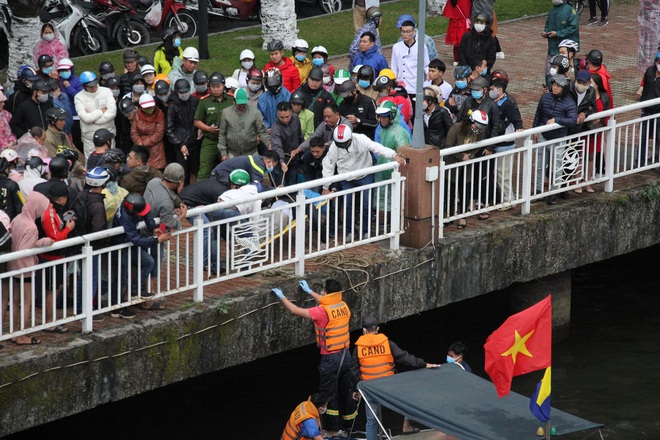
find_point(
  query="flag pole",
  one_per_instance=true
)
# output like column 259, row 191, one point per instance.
column 547, row 430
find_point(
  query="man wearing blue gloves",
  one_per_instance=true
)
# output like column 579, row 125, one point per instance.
column 331, row 323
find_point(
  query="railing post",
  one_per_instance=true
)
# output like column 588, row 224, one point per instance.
column 198, row 259
column 441, row 197
column 87, row 287
column 395, row 211
column 527, row 175
column 300, row 234
column 609, row 155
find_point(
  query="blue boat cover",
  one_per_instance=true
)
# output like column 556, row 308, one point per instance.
column 463, row 405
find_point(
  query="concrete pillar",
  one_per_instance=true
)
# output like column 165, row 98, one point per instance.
column 524, row 295
column 417, row 210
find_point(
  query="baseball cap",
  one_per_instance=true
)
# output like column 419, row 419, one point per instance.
column 241, row 96
column 174, row 173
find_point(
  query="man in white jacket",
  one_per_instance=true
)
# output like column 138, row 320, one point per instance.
column 96, row 108
column 351, row 152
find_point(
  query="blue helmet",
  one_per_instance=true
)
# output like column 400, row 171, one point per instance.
column 87, row 77
column 462, row 72
column 405, row 17
column 97, row 177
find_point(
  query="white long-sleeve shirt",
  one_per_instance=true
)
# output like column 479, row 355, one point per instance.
column 357, row 157
column 404, row 64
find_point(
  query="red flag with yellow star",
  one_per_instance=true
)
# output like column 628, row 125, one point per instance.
column 521, row 345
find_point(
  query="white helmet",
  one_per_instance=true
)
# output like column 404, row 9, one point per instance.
column 480, row 118
column 97, row 177
column 342, row 135
column 569, row 44
column 147, row 68
column 300, row 45
column 9, row 155
column 320, row 49
column 246, row 54
column 231, row 83
column 191, row 54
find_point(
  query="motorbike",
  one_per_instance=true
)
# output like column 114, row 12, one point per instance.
column 249, row 9
column 78, row 28
column 124, row 24
column 174, row 14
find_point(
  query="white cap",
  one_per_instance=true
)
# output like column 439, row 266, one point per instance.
column 147, row 101
column 320, row 49
column 190, row 53
column 147, row 68
column 247, row 53
column 231, row 83
column 64, row 64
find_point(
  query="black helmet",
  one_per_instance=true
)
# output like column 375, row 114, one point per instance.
column 126, row 106
column 43, row 60
column 216, row 78
column 169, row 33
column 113, row 174
column 482, row 16
column 200, row 77
column 41, row 85
column 112, row 82
column 34, row 162
column 58, row 167
column 69, row 154
column 275, row 45
column 561, row 62
column 114, row 155
column 595, row 57
column 102, row 136
column 142, row 60
column 273, row 80
column 182, row 86
column 135, row 204
column 138, row 77
column 381, row 82
column 297, row 98
column 316, row 73
column 106, row 67
column 55, row 114
column 366, row 72
column 130, row 55
column 161, row 87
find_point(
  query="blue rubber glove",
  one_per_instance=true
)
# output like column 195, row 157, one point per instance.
column 279, row 293
column 304, row 286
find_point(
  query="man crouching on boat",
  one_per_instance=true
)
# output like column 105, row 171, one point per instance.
column 331, row 324
column 305, row 420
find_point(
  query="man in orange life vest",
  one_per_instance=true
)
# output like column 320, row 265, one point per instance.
column 331, row 324
column 375, row 356
column 305, row 420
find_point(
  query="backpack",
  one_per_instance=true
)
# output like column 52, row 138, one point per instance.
column 79, row 207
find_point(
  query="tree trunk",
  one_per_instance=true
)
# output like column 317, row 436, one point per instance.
column 25, row 20
column 278, row 21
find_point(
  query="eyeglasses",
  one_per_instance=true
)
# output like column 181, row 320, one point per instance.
column 407, row 32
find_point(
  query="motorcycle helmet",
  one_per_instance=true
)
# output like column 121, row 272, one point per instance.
column 342, row 75
column 114, row 155
column 43, row 60
column 462, row 72
column 9, row 155
column 200, row 77
column 501, row 74
column 147, row 68
column 595, row 57
column 41, row 85
column 106, row 68
column 561, row 62
column 88, row 78
column 388, row 109
column 480, row 118
column 102, row 136
column 382, row 82
column 273, row 80
column 161, row 87
column 570, row 45
column 29, row 74
column 316, row 74
column 126, row 106
column 246, row 54
column 274, row 45
column 403, row 18
column 366, row 72
column 374, row 12
column 58, row 167
column 297, row 98
column 345, row 88
column 96, row 177
column 191, row 54
column 182, row 86
column 343, row 136
column 218, row 78
column 130, row 55
column 113, row 174
column 65, row 64
column 169, row 33
column 231, row 83
column 135, row 204
column 55, row 114
column 69, row 154
column 142, row 61
column 112, row 82
column 36, row 163
column 300, row 45
column 239, row 177
column 255, row 74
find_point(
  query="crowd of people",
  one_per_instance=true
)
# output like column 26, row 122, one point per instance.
column 155, row 137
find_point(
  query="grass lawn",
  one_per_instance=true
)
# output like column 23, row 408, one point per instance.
column 334, row 31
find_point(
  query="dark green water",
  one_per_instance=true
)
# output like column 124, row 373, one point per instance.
column 608, row 371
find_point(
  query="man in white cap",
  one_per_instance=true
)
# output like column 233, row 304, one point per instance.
column 184, row 67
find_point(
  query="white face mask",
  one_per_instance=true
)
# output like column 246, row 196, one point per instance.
column 479, row 27
column 425, row 105
column 247, row 64
column 553, row 71
column 49, row 37
column 581, row 88
column 326, row 80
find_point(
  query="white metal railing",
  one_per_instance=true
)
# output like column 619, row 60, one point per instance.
column 220, row 245
column 541, row 168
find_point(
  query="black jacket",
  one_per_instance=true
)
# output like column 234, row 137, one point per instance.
column 315, row 100
column 180, row 118
column 29, row 114
column 651, row 90
column 487, row 105
column 439, row 124
column 475, row 47
column 10, row 201
column 21, row 94
column 560, row 108
column 509, row 117
column 363, row 108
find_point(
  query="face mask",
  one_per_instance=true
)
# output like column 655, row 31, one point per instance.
column 327, row 80
column 43, row 98
column 493, row 94
column 318, row 62
column 657, row 66
column 485, row 72
column 138, row 88
column 364, row 84
column 300, row 57
column 176, row 42
column 49, row 37
column 477, row 94
column 461, row 85
column 115, row 92
column 553, row 71
column 164, row 98
column 107, row 76
column 269, row 169
column 66, row 74
column 47, row 70
column 247, row 64
column 184, row 96
column 475, row 130
column 557, row 2
column 425, row 105
column 581, row 88
column 479, row 27
column 149, row 110
column 28, row 84
column 450, row 360
column 254, row 87
column 201, row 89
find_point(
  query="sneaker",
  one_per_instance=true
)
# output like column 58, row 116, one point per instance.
column 592, row 21
column 499, row 55
column 552, row 200
column 123, row 313
column 147, row 295
column 604, row 22
column 98, row 318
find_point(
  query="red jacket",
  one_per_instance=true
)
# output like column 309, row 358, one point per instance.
column 148, row 131
column 53, row 228
column 605, row 76
column 290, row 74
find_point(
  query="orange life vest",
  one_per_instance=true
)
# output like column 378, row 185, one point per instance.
column 306, row 410
column 335, row 336
column 375, row 356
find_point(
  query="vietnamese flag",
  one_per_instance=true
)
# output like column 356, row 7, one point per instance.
column 521, row 345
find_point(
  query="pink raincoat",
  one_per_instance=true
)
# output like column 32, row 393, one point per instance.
column 55, row 48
